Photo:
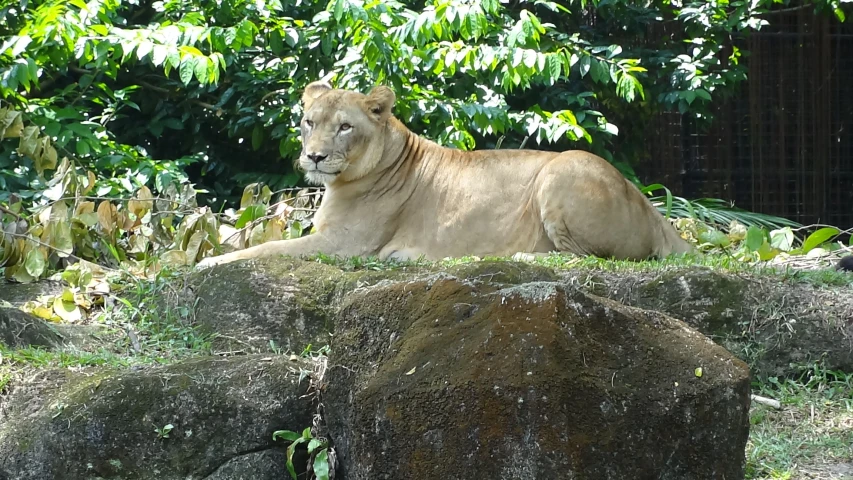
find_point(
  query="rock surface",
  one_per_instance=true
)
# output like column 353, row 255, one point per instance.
column 503, row 369
column 19, row 329
column 103, row 424
column 772, row 324
column 459, row 380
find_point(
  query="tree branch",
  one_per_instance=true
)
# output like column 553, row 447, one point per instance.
column 9, row 212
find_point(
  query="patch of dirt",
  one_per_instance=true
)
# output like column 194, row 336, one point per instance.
column 827, row 471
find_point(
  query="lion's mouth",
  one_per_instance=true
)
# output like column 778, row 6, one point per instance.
column 317, row 169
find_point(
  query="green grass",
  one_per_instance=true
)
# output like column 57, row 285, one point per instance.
column 813, row 433
column 567, row 261
column 140, row 328
column 159, row 328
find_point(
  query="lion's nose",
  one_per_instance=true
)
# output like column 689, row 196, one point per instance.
column 317, row 157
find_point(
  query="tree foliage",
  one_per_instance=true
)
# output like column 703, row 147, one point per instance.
column 101, row 98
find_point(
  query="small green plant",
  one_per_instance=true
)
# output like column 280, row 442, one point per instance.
column 318, row 451
column 310, row 352
column 163, row 432
column 5, row 378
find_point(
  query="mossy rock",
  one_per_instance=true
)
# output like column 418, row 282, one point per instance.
column 20, row 329
column 250, row 304
column 102, row 425
column 773, row 324
column 292, row 303
column 538, row 380
column 18, row 294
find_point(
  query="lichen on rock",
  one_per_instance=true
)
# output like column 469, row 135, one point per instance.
column 105, row 425
column 486, row 369
column 533, row 381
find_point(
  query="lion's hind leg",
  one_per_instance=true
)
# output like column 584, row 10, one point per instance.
column 588, row 210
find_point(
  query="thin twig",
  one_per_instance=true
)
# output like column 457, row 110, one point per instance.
column 821, row 225
column 7, row 211
column 39, row 242
column 120, row 199
column 270, row 94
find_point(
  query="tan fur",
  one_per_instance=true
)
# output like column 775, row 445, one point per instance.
column 394, row 194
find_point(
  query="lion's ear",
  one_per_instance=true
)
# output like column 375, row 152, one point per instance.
column 379, row 102
column 313, row 91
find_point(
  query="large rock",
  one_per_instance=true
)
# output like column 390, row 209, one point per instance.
column 482, row 370
column 20, row 329
column 251, row 304
column 294, row 303
column 457, row 380
column 774, row 324
column 101, row 424
column 18, row 294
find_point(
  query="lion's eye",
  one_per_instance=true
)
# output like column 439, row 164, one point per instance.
column 345, row 127
column 309, row 123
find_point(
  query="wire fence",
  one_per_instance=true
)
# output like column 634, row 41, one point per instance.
column 783, row 144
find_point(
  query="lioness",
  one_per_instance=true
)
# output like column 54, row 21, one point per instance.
column 394, row 194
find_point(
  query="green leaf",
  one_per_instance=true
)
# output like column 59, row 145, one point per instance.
column 189, row 51
column 555, row 67
column 290, row 449
column 201, row 70
column 276, row 43
column 703, row 94
column 22, row 73
column 755, row 237
column 33, row 70
column 288, row 435
column 515, row 37
column 250, row 214
column 144, row 49
column 257, row 136
column 766, row 252
column 625, row 87
column 35, row 263
column 82, row 148
column 584, row 65
column 819, row 237
column 314, row 444
column 714, row 237
column 159, row 54
column 173, row 123
column 321, row 465
column 598, row 71
column 245, row 34
column 339, row 10
column 187, row 68
column 529, row 58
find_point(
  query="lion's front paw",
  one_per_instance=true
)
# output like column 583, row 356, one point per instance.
column 527, row 256
column 208, row 262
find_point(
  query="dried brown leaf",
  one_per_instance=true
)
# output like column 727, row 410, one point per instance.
column 107, row 216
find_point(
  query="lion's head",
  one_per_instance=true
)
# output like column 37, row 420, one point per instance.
column 343, row 132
